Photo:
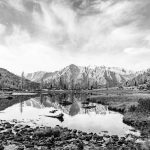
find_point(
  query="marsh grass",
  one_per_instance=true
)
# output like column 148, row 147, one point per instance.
column 142, row 107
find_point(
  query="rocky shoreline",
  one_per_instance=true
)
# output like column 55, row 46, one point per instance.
column 14, row 136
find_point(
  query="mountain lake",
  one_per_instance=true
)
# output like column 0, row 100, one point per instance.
column 77, row 114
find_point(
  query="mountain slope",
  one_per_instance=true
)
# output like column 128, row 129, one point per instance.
column 142, row 78
column 36, row 77
column 83, row 77
column 10, row 80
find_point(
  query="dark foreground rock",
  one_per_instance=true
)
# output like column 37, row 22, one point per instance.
column 23, row 137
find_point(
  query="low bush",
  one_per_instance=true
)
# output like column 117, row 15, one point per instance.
column 144, row 105
column 132, row 108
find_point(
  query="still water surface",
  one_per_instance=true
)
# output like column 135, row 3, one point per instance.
column 98, row 119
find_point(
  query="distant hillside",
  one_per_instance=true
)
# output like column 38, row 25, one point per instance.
column 10, row 80
column 36, row 76
column 141, row 79
column 83, row 77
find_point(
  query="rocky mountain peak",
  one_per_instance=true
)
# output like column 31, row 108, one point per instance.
column 85, row 75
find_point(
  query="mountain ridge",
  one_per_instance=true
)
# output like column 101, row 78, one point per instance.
column 78, row 77
column 84, row 76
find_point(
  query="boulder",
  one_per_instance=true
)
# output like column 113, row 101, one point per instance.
column 43, row 132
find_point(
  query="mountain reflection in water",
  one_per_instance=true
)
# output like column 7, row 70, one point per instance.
column 73, row 109
column 76, row 115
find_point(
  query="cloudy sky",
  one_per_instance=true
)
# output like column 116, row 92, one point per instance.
column 50, row 34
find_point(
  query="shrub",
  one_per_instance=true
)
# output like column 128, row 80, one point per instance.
column 144, row 105
column 132, row 108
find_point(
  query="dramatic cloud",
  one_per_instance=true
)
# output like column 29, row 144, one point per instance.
column 49, row 34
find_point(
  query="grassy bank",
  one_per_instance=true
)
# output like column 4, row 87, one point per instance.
column 139, row 117
column 134, row 105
